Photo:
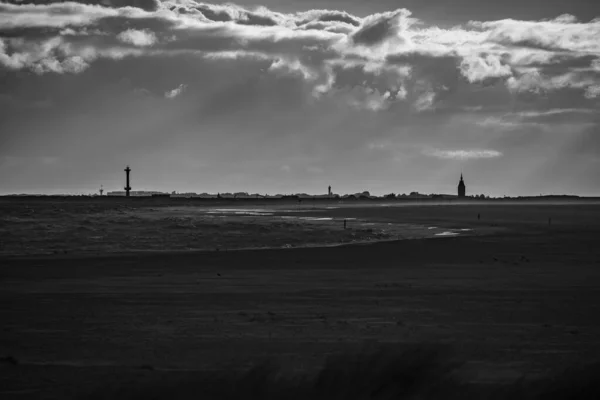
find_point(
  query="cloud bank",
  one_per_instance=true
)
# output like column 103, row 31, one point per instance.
column 386, row 52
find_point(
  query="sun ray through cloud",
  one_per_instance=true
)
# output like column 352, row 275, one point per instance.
column 237, row 70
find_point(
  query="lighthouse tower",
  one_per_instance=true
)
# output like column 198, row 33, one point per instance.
column 462, row 189
column 127, row 186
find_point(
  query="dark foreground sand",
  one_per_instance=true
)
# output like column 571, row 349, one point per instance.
column 514, row 297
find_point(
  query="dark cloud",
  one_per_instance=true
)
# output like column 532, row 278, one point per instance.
column 339, row 17
column 214, row 14
column 257, row 19
column 244, row 17
column 328, row 16
column 335, row 27
column 379, row 28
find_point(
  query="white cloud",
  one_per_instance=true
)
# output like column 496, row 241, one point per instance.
column 504, row 123
column 544, row 120
column 592, row 92
column 479, row 68
column 552, row 111
column 283, row 65
column 136, row 37
column 50, row 55
column 563, row 33
column 425, row 102
column 148, row 5
column 331, row 51
column 462, row 154
column 58, row 15
column 171, row 94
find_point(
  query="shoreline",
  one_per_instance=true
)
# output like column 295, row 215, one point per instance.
column 136, row 252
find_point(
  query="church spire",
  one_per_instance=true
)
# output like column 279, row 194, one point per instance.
column 461, row 187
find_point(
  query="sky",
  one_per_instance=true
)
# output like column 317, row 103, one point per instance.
column 291, row 96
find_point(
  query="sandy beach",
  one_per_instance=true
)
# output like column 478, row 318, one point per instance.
column 509, row 294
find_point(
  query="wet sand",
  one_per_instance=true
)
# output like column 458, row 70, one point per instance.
column 513, row 296
column 85, row 227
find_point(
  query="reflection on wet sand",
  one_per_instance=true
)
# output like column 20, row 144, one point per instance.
column 89, row 230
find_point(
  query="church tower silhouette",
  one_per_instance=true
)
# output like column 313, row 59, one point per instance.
column 462, row 189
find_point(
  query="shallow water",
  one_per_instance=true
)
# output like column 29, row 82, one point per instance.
column 213, row 228
column 380, row 230
column 447, row 234
column 242, row 211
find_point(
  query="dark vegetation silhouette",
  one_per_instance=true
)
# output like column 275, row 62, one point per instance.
column 421, row 371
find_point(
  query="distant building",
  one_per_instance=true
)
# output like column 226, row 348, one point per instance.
column 135, row 193
column 462, row 189
column 417, row 195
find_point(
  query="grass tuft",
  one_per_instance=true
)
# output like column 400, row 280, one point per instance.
column 384, row 373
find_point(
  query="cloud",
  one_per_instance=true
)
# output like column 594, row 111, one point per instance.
column 545, row 120
column 53, row 15
column 328, row 16
column 147, row 5
column 561, row 33
column 534, row 81
column 135, row 37
column 425, row 102
column 462, row 154
column 592, row 92
column 504, row 123
column 171, row 94
column 375, row 62
column 368, row 99
column 284, row 66
column 42, row 57
column 477, row 68
column 552, row 112
column 377, row 28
